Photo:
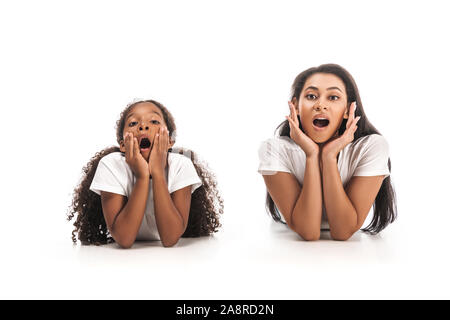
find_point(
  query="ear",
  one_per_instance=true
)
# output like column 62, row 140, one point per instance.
column 295, row 102
column 347, row 111
column 171, row 143
column 122, row 146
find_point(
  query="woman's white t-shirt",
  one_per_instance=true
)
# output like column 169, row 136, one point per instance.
column 114, row 175
column 367, row 156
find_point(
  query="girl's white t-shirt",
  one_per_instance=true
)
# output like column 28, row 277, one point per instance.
column 114, row 175
column 367, row 156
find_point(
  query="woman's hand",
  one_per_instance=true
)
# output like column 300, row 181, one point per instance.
column 310, row 148
column 134, row 157
column 158, row 155
column 332, row 148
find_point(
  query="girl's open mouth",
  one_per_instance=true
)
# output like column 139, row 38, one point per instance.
column 144, row 145
column 320, row 123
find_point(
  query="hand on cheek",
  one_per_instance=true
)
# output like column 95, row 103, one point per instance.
column 310, row 148
column 158, row 153
column 332, row 148
column 133, row 156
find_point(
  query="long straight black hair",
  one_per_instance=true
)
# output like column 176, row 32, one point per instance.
column 385, row 205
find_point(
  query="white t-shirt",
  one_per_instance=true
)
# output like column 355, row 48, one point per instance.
column 367, row 156
column 114, row 175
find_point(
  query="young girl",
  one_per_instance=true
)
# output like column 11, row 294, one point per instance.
column 143, row 190
column 328, row 165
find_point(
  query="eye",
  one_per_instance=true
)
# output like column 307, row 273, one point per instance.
column 155, row 122
column 132, row 123
column 333, row 98
column 309, row 96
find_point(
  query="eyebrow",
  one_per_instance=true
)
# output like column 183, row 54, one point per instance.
column 315, row 88
column 133, row 114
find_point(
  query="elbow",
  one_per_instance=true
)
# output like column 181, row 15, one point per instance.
column 309, row 235
column 124, row 242
column 340, row 236
column 169, row 242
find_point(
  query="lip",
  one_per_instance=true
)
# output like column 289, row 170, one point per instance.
column 320, row 116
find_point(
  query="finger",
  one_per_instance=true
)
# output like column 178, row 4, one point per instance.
column 290, row 110
column 156, row 142
column 161, row 139
column 294, row 113
column 128, row 150
column 136, row 151
column 351, row 115
column 289, row 119
column 352, row 111
column 353, row 125
column 131, row 143
column 166, row 139
column 293, row 126
column 160, row 132
column 289, row 123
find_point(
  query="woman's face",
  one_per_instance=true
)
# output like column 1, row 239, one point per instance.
column 144, row 121
column 322, row 105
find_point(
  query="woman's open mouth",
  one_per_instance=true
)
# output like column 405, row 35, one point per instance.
column 144, row 145
column 320, row 123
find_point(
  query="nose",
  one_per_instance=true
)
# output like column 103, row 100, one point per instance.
column 319, row 106
column 143, row 127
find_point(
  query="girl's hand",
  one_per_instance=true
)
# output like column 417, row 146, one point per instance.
column 158, row 154
column 310, row 148
column 134, row 157
column 332, row 148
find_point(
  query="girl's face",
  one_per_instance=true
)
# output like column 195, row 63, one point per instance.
column 322, row 105
column 143, row 122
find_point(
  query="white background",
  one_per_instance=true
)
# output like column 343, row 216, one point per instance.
column 224, row 69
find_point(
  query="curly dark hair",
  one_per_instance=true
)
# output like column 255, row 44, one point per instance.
column 90, row 224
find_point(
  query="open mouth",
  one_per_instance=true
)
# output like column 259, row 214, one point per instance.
column 144, row 144
column 321, row 123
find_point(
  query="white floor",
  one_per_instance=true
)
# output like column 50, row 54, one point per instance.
column 269, row 262
column 250, row 258
column 63, row 88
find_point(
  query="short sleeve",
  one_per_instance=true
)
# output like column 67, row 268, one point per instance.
column 184, row 175
column 272, row 157
column 374, row 157
column 107, row 179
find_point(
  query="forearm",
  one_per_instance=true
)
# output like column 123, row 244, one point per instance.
column 341, row 214
column 169, row 221
column 127, row 223
column 307, row 213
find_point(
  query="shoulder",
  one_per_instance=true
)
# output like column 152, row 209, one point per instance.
column 177, row 161
column 280, row 154
column 372, row 143
column 112, row 174
column 176, row 158
column 368, row 150
column 281, row 144
column 114, row 159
